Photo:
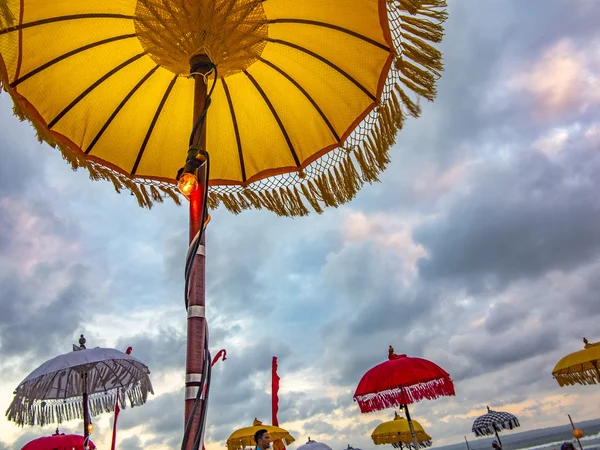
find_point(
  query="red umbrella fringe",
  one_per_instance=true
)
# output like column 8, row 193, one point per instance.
column 405, row 395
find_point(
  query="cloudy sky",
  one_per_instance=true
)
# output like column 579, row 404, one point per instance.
column 479, row 250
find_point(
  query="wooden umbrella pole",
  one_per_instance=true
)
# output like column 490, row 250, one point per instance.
column 86, row 413
column 412, row 428
column 573, row 426
column 196, row 327
column 497, row 437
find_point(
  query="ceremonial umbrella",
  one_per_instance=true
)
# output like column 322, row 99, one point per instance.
column 244, row 437
column 78, row 384
column 494, row 421
column 399, row 381
column 397, row 433
column 307, row 98
column 58, row 442
column 579, row 367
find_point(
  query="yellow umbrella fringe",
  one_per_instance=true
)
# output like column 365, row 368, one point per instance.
column 411, row 6
column 396, row 438
column 418, row 66
column 589, row 376
column 309, row 197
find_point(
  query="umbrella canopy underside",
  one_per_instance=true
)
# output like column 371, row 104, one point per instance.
column 58, row 442
column 494, row 421
column 581, row 367
column 401, row 381
column 397, row 433
column 244, row 437
column 53, row 393
column 308, row 100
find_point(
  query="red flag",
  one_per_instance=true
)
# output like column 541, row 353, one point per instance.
column 274, row 392
column 117, row 410
column 277, row 445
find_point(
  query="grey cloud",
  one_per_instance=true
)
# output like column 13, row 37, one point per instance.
column 318, row 427
column 164, row 351
column 517, row 222
column 39, row 330
column 132, row 443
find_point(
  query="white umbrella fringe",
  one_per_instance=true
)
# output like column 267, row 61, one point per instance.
column 39, row 402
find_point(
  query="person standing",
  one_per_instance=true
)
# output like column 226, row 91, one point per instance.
column 262, row 439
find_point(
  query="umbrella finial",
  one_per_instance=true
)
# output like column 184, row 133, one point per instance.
column 391, row 352
column 82, row 342
column 488, row 409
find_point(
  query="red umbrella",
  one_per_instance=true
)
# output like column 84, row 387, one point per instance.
column 58, row 442
column 399, row 381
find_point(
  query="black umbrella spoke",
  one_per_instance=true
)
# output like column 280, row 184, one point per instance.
column 236, row 129
column 36, row 23
column 325, row 61
column 276, row 116
column 153, row 124
column 333, row 27
column 69, row 54
column 118, row 109
column 92, row 87
column 306, row 94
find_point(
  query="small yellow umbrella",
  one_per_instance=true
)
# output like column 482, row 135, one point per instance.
column 580, row 367
column 397, row 433
column 244, row 437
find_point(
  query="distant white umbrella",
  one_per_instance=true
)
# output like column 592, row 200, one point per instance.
column 351, row 448
column 79, row 384
column 314, row 445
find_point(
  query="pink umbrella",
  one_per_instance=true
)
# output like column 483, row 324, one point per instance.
column 58, row 442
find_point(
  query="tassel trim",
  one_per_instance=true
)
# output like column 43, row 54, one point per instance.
column 585, row 377
column 403, row 439
column 333, row 179
column 410, row 445
column 29, row 407
column 498, row 426
column 405, row 395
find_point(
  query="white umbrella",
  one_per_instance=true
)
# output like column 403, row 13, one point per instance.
column 314, row 445
column 73, row 385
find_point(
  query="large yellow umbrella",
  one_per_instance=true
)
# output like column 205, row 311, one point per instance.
column 397, row 433
column 305, row 98
column 244, row 437
column 580, row 367
column 308, row 99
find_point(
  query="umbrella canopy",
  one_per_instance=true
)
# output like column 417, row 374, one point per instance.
column 580, row 367
column 54, row 391
column 308, row 96
column 314, row 445
column 401, row 380
column 58, row 442
column 494, row 421
column 244, row 437
column 397, row 433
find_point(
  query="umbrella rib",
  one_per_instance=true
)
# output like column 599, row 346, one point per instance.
column 306, row 94
column 276, row 116
column 69, row 54
column 236, row 129
column 153, row 124
column 118, row 109
column 92, row 87
column 329, row 63
column 65, row 18
column 333, row 27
